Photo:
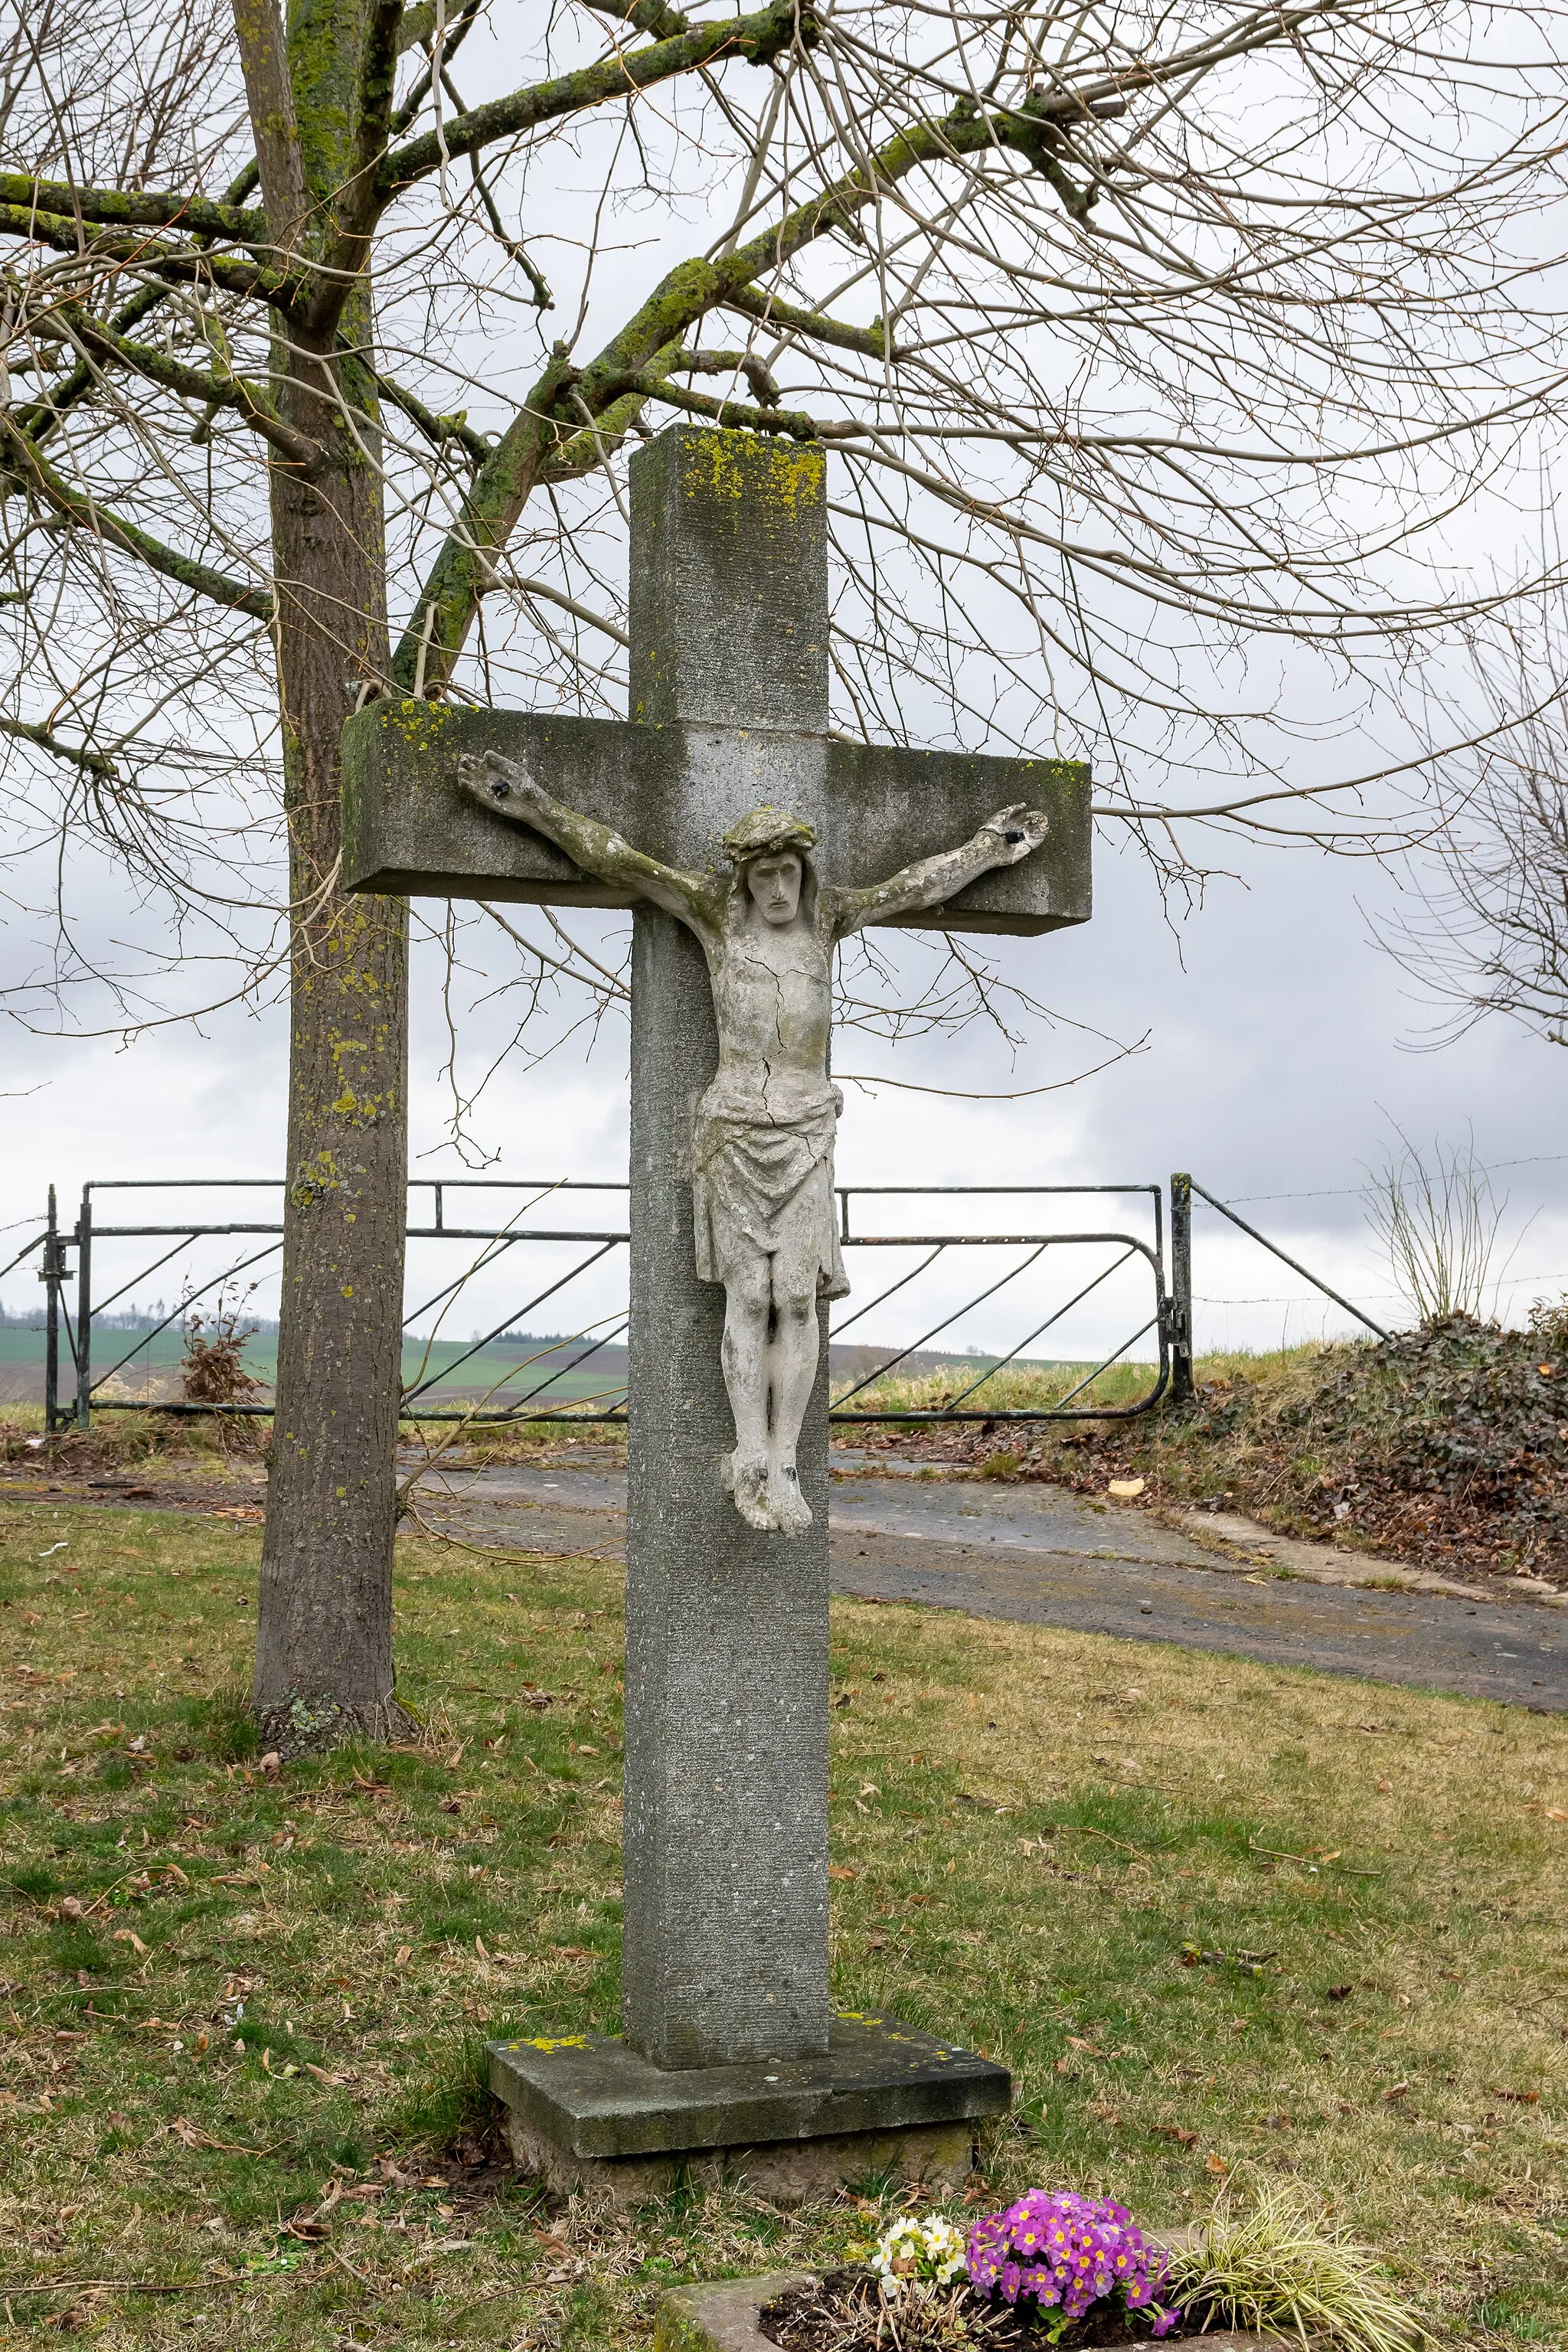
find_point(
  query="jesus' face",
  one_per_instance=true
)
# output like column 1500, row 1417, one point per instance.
column 773, row 882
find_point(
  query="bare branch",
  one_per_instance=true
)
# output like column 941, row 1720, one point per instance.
column 756, row 37
column 26, row 466
column 74, row 755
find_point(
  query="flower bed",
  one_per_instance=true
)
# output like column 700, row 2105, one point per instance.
column 1068, row 2271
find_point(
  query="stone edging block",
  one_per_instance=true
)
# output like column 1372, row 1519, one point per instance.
column 722, row 2317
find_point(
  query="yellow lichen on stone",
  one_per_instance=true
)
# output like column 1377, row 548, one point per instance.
column 778, row 474
column 417, row 722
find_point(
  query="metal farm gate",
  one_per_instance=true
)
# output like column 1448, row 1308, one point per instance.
column 929, row 1234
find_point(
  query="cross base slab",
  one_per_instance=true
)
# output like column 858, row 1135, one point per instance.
column 585, row 2107
column 936, row 2159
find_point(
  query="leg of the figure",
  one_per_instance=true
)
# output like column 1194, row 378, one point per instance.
column 793, row 1345
column 745, row 1354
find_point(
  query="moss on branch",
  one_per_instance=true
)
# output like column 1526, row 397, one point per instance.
column 134, row 208
column 74, row 755
column 742, row 415
column 788, row 319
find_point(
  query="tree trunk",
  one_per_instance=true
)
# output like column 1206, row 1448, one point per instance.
column 323, row 1654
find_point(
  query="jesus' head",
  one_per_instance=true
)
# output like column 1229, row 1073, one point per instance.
column 771, row 853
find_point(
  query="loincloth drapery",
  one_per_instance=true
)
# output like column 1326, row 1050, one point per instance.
column 762, row 1188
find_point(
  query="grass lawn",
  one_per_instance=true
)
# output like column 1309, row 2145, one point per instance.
column 241, row 2014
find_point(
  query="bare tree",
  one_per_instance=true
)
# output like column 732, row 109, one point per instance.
column 1160, row 348
column 1489, row 929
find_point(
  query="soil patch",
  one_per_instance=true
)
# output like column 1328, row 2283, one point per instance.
column 844, row 2312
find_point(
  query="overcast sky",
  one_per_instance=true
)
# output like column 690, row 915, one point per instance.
column 1277, row 1059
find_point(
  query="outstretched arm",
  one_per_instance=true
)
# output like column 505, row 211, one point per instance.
column 1002, row 840
column 508, row 789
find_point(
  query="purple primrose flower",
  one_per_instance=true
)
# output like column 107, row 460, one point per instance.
column 1070, row 2252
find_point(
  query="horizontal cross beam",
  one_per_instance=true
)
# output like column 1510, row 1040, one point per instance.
column 409, row 830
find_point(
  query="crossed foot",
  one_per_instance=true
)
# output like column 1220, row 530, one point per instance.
column 767, row 1495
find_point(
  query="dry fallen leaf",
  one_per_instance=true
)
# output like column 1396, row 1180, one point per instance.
column 1174, row 2131
column 1397, row 2092
column 129, row 1936
column 184, row 2129
column 841, row 1870
column 1217, row 2165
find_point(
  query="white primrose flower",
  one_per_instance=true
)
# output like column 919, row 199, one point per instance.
column 910, row 2253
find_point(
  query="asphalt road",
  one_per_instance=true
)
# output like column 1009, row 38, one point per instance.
column 1040, row 1555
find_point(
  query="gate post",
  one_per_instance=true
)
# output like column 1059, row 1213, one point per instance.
column 49, row 1276
column 84, row 1312
column 1182, row 1386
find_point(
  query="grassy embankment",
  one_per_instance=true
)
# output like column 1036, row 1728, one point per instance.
column 1447, row 1445
column 1043, row 1843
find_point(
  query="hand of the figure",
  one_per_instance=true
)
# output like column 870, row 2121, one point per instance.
column 1017, row 830
column 496, row 783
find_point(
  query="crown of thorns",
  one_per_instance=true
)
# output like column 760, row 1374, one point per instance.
column 765, row 831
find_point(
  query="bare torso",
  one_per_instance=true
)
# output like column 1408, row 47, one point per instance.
column 773, row 996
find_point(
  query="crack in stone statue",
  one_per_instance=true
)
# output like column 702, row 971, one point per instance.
column 762, row 1142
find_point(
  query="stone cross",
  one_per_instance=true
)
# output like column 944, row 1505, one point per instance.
column 725, row 1934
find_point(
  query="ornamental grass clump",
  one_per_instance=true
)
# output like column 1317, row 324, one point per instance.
column 1273, row 2268
column 1059, row 2257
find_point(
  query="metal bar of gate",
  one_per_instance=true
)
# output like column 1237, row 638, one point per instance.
column 1183, row 1385
column 84, row 1311
column 1104, row 1276
column 1158, row 1321
column 915, row 1345
column 50, row 1277
column 26, row 1251
column 447, row 1369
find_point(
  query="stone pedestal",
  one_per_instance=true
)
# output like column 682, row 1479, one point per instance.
column 584, row 2111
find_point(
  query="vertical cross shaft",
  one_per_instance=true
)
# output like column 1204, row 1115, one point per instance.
column 725, row 1943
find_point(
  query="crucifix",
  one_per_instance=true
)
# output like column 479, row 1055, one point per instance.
column 748, row 840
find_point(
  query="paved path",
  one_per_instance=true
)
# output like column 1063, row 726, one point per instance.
column 1040, row 1555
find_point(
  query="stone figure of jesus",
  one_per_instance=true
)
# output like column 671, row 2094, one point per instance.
column 762, row 1146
